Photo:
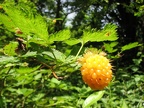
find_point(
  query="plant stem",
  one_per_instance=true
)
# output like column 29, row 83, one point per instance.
column 27, row 42
column 53, row 54
column 82, row 44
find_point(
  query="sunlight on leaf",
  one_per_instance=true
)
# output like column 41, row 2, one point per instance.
column 93, row 98
column 28, row 21
column 107, row 34
column 72, row 41
column 29, row 54
column 24, row 91
column 38, row 76
column 124, row 105
column 130, row 46
column 10, row 48
column 60, row 36
column 55, row 81
column 110, row 47
column 38, row 96
column 24, row 70
column 5, row 59
column 55, row 54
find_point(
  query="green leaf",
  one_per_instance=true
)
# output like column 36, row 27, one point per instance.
column 6, row 59
column 110, row 47
column 113, row 44
column 124, row 105
column 29, row 54
column 60, row 36
column 135, row 68
column 7, row 22
column 24, row 70
column 10, row 48
column 38, row 97
column 130, row 46
column 55, row 54
column 55, row 81
column 24, row 91
column 137, row 61
column 38, row 76
column 24, row 18
column 1, row 102
column 93, row 98
column 72, row 41
column 107, row 34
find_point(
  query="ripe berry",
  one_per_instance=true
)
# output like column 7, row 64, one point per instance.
column 96, row 70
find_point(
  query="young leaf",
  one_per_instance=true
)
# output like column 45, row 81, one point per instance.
column 93, row 98
column 130, row 46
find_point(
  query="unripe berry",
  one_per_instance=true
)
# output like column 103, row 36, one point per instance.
column 96, row 70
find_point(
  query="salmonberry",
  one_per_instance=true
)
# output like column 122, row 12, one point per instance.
column 96, row 70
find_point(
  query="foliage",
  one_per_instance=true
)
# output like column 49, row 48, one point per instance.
column 93, row 98
column 39, row 69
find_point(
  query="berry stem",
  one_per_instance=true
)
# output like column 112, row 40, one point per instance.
column 82, row 44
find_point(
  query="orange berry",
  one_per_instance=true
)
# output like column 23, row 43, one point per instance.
column 96, row 70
